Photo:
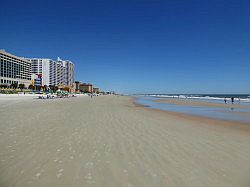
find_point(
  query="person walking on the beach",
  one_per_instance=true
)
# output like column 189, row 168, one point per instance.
column 225, row 100
column 232, row 99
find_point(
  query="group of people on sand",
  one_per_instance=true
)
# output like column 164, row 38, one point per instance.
column 232, row 100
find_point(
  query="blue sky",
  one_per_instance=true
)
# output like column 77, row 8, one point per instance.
column 149, row 46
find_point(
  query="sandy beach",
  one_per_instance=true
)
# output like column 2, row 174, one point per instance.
column 110, row 141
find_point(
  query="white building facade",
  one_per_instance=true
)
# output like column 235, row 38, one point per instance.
column 57, row 73
column 41, row 66
column 14, row 70
column 69, row 71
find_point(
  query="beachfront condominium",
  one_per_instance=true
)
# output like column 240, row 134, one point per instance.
column 40, row 67
column 19, row 70
column 14, row 70
column 68, row 72
column 57, row 73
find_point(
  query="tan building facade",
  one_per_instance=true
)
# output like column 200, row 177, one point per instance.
column 76, row 86
column 86, row 88
column 96, row 90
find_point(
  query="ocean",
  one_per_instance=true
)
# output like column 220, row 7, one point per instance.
column 226, row 113
column 212, row 97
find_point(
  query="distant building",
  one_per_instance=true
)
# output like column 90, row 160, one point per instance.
column 86, row 87
column 68, row 71
column 76, row 86
column 96, row 90
column 56, row 73
column 36, row 71
column 40, row 67
column 14, row 69
column 53, row 73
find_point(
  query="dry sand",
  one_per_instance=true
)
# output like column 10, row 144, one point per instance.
column 190, row 102
column 108, row 141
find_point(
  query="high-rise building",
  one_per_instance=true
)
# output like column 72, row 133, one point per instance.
column 53, row 73
column 69, row 70
column 14, row 69
column 59, row 73
column 19, row 70
column 41, row 67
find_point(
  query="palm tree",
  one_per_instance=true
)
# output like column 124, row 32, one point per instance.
column 53, row 88
column 45, row 87
column 66, row 88
column 38, row 88
column 21, row 86
column 31, row 87
column 14, row 85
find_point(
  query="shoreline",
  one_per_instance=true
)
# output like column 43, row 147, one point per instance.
column 188, row 102
column 238, row 125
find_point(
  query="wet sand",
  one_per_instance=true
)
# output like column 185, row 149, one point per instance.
column 109, row 141
column 189, row 102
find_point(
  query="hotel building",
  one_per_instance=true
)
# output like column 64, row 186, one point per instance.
column 86, row 88
column 67, row 71
column 77, row 86
column 43, row 71
column 41, row 67
column 14, row 69
column 57, row 73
